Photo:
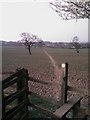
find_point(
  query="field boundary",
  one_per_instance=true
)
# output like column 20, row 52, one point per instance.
column 21, row 77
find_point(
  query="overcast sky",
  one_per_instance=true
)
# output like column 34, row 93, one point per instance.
column 38, row 18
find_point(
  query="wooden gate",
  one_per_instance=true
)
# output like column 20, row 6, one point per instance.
column 19, row 97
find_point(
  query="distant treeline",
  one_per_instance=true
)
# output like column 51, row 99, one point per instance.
column 47, row 44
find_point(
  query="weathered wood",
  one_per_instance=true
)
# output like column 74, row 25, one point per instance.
column 39, row 81
column 9, row 79
column 12, row 76
column 9, row 83
column 64, row 84
column 64, row 109
column 3, row 106
column 7, row 72
column 13, row 96
column 23, row 83
column 10, row 114
column 21, row 78
column 25, row 79
column 66, row 81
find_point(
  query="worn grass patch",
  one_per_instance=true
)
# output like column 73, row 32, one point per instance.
column 42, row 103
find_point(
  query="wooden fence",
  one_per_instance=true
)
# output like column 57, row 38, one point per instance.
column 20, row 111
column 18, row 97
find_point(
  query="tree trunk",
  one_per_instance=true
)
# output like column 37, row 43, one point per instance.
column 29, row 49
column 77, row 50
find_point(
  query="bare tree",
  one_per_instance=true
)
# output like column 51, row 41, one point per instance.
column 28, row 40
column 40, row 43
column 75, row 43
column 71, row 9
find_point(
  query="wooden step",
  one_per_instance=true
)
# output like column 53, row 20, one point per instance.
column 64, row 109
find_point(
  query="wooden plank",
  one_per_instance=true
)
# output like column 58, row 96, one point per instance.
column 48, row 112
column 22, row 81
column 11, row 77
column 8, row 72
column 21, row 84
column 14, row 96
column 10, row 114
column 39, row 81
column 9, row 83
column 3, row 106
column 64, row 109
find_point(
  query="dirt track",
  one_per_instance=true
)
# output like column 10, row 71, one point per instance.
column 56, row 88
column 57, row 71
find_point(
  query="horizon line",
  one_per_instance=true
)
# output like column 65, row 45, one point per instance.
column 48, row 41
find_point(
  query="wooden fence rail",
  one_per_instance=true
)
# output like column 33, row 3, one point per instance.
column 39, row 81
column 20, row 78
column 20, row 110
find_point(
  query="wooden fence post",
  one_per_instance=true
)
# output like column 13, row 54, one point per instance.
column 23, row 84
column 3, row 106
column 64, row 83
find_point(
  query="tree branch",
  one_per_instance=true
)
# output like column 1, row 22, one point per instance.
column 71, row 9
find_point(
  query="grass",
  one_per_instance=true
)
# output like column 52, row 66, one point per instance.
column 33, row 113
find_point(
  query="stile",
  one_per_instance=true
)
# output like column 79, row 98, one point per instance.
column 21, row 95
column 13, row 96
column 65, row 108
column 21, row 78
column 10, row 114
